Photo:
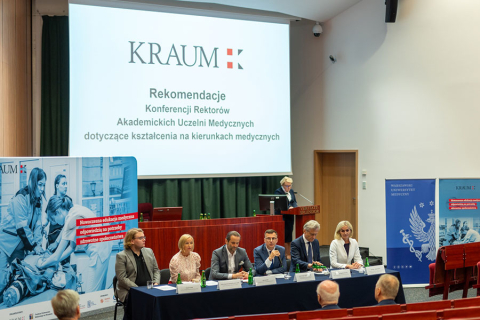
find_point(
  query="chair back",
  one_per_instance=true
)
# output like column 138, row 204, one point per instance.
column 207, row 273
column 164, row 276
column 147, row 209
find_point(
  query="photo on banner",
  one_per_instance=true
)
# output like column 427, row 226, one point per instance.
column 459, row 214
column 410, row 217
column 63, row 221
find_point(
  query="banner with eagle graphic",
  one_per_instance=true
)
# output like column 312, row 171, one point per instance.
column 410, row 217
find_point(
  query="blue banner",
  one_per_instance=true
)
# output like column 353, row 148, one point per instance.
column 459, row 215
column 410, row 216
column 63, row 220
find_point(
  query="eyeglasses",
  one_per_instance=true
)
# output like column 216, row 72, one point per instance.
column 141, row 238
column 287, row 185
column 271, row 239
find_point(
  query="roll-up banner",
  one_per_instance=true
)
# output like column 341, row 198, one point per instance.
column 410, row 216
column 63, row 220
column 459, row 213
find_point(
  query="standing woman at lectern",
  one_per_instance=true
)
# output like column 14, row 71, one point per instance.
column 286, row 188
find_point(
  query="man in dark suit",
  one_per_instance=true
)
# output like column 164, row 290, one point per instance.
column 269, row 257
column 328, row 294
column 386, row 289
column 134, row 266
column 229, row 259
column 306, row 249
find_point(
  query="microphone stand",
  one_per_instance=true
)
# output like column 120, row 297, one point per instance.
column 301, row 195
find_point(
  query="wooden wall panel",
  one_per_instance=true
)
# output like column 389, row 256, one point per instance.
column 15, row 78
column 2, row 110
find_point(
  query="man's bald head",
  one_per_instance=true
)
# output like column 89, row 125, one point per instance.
column 386, row 287
column 328, row 292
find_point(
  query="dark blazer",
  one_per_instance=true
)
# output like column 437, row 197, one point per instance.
column 126, row 270
column 219, row 267
column 299, row 254
column 330, row 307
column 386, row 302
column 260, row 254
column 292, row 203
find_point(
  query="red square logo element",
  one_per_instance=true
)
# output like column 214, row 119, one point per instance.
column 229, row 52
column 230, row 65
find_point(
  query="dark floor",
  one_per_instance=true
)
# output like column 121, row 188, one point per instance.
column 411, row 295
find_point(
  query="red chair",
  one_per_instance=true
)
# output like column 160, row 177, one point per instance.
column 270, row 316
column 147, row 210
column 372, row 317
column 413, row 315
column 379, row 310
column 431, row 305
column 323, row 314
column 461, row 313
column 466, row 302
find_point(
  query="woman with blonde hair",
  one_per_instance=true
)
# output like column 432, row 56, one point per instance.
column 186, row 262
column 286, row 189
column 344, row 249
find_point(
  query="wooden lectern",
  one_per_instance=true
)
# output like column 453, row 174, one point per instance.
column 302, row 215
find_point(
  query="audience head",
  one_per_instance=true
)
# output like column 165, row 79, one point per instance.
column 328, row 293
column 58, row 208
column 232, row 241
column 286, row 183
column 386, row 287
column 134, row 238
column 186, row 244
column 311, row 229
column 65, row 304
column 271, row 239
column 344, row 230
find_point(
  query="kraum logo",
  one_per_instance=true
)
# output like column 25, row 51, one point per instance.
column 8, row 168
column 151, row 53
column 464, row 187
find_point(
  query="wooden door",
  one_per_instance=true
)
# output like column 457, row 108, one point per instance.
column 336, row 191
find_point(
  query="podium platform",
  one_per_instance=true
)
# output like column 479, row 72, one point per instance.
column 302, row 215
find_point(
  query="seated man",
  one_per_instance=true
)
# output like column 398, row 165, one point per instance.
column 229, row 259
column 328, row 294
column 65, row 305
column 134, row 266
column 269, row 257
column 386, row 289
column 306, row 249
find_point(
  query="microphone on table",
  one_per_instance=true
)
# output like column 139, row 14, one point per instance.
column 281, row 263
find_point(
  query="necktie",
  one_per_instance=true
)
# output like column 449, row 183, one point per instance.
column 309, row 254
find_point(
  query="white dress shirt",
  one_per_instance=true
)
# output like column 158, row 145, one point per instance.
column 231, row 263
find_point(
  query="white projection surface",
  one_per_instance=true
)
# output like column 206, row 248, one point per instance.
column 187, row 95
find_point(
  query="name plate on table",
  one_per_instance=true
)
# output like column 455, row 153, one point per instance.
column 375, row 270
column 307, row 276
column 264, row 281
column 188, row 288
column 229, row 284
column 340, row 274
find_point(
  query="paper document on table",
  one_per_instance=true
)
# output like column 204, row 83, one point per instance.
column 279, row 275
column 165, row 288
column 211, row 283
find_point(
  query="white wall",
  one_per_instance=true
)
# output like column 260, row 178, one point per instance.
column 406, row 95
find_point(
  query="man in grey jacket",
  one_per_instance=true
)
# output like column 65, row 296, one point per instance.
column 229, row 259
column 134, row 266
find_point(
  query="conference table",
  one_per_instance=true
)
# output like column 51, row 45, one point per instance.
column 285, row 296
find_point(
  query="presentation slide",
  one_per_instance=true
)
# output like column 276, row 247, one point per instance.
column 187, row 95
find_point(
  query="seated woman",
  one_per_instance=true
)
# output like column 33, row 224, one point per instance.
column 186, row 262
column 343, row 249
